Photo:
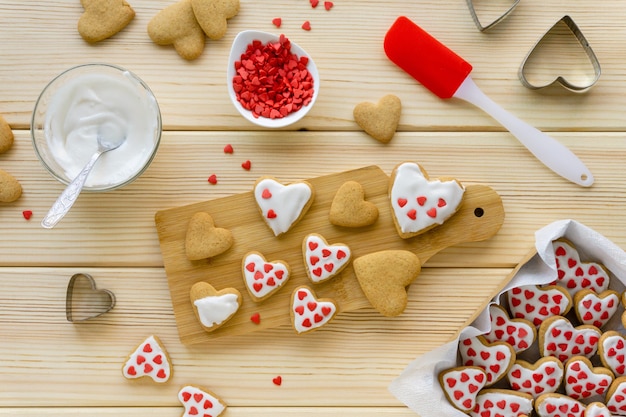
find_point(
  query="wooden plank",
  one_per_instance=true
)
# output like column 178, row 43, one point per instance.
column 79, row 365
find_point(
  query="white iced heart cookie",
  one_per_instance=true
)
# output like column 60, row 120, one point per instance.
column 214, row 308
column 309, row 313
column 418, row 203
column 263, row 278
column 324, row 261
column 282, row 206
column 200, row 402
column 149, row 359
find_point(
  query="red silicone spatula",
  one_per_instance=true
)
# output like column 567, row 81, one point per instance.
column 448, row 75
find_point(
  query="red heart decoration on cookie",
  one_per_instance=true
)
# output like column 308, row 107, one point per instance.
column 542, row 377
column 324, row 261
column 282, row 206
column 535, row 303
column 583, row 381
column 558, row 338
column 500, row 403
column 559, row 405
column 462, row 385
column 518, row 333
column 495, row 358
column 263, row 278
column 576, row 275
column 612, row 350
column 200, row 402
column 309, row 313
column 596, row 309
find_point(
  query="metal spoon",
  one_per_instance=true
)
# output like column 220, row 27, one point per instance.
column 110, row 136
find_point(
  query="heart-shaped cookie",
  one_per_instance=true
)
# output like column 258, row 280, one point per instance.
column 349, row 207
column 597, row 409
column 583, row 380
column 384, row 276
column 559, row 338
column 282, row 206
column 379, row 120
column 541, row 377
column 103, row 19
column 213, row 14
column 263, row 278
column 462, row 384
column 502, row 402
column 518, row 333
column 204, row 240
column 575, row 275
column 199, row 402
column 213, row 308
column 495, row 358
column 595, row 309
column 536, row 303
column 418, row 203
column 324, row 261
column 84, row 301
column 558, row 405
column 612, row 352
column 616, row 397
column 149, row 359
column 177, row 25
column 309, row 313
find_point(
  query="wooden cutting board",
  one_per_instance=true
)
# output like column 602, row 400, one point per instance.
column 480, row 216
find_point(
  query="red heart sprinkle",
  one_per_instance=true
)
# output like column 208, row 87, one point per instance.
column 277, row 380
column 207, row 404
column 266, row 194
column 314, row 260
column 198, row 397
column 228, row 148
column 212, row 179
column 186, row 396
column 161, row 374
column 312, row 245
column 341, row 254
column 277, row 21
column 441, row 203
column 299, row 310
column 250, row 267
column 301, row 295
column 147, row 348
column 132, row 371
column 147, row 368
column 257, row 286
column 246, row 165
column 158, row 359
column 271, row 214
column 27, row 214
column 306, row 25
column 255, row 318
column 312, row 305
column 326, row 310
column 140, row 359
column 402, row 202
column 306, row 323
column 412, row 214
column 314, row 3
column 432, row 212
column 328, row 5
column 421, row 200
column 268, row 267
column 193, row 411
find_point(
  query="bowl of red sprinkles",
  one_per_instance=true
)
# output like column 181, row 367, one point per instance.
column 271, row 81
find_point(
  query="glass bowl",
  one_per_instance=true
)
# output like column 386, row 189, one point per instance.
column 239, row 47
column 71, row 109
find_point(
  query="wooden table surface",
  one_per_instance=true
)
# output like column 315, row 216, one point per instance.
column 51, row 367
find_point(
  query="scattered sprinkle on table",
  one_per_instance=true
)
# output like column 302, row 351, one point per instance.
column 277, row 380
column 27, row 214
column 212, row 179
column 228, row 148
column 255, row 318
column 306, row 25
column 277, row 21
column 314, row 3
column 246, row 165
column 328, row 5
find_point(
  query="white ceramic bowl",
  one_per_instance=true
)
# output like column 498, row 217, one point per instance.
column 64, row 142
column 240, row 43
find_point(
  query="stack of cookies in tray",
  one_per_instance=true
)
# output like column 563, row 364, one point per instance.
column 553, row 350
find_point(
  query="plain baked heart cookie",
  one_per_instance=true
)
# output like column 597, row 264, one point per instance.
column 6, row 135
column 263, row 278
column 309, row 313
column 418, row 203
column 349, row 207
column 177, row 25
column 199, row 402
column 324, row 261
column 379, row 120
column 214, row 308
column 213, row 14
column 384, row 276
column 282, row 206
column 103, row 19
column 149, row 359
column 204, row 240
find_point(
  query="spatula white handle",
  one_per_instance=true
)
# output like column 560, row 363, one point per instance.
column 548, row 150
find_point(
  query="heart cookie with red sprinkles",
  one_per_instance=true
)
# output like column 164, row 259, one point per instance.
column 199, row 402
column 536, row 303
column 419, row 203
column 595, row 309
column 324, row 261
column 576, row 275
column 616, row 397
column 263, row 278
column 542, row 377
column 612, row 352
column 149, row 359
column 558, row 405
column 559, row 338
column 583, row 380
column 495, row 358
column 518, row 333
column 282, row 206
column 309, row 313
column 501, row 403
column 461, row 385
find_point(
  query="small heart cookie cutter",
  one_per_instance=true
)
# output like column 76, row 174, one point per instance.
column 104, row 300
column 479, row 25
column 564, row 27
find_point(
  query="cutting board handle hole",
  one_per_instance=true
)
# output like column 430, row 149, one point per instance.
column 479, row 212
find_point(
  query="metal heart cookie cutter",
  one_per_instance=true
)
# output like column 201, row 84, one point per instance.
column 500, row 18
column 84, row 301
column 559, row 50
